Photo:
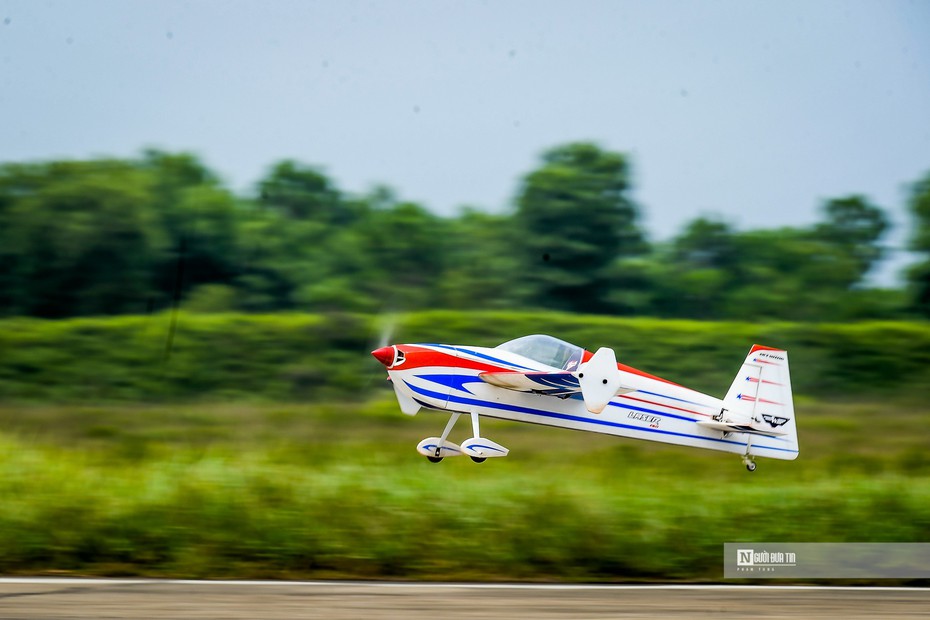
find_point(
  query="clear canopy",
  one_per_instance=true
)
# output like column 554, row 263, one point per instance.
column 546, row 350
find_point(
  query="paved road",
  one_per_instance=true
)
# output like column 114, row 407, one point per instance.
column 113, row 598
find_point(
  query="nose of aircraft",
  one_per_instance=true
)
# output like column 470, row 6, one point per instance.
column 385, row 355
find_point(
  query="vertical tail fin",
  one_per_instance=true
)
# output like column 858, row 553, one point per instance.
column 760, row 395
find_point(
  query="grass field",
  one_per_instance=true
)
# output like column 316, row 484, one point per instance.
column 337, row 490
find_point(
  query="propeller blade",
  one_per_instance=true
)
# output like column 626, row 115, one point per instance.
column 388, row 327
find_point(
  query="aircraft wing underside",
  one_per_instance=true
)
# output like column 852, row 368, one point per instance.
column 549, row 383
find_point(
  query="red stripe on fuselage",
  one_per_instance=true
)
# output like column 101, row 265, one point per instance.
column 587, row 355
column 635, row 371
column 650, row 402
column 422, row 357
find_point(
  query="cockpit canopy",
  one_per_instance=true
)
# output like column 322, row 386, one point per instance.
column 546, row 350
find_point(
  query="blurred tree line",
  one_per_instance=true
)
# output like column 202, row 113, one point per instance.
column 135, row 236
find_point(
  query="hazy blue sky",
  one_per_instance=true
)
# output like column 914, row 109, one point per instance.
column 756, row 111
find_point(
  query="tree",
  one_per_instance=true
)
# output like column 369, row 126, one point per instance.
column 713, row 272
column 267, row 253
column 788, row 273
column 200, row 218
column 287, row 238
column 481, row 270
column 301, row 192
column 706, row 243
column 575, row 219
column 402, row 256
column 208, row 234
column 78, row 238
column 855, row 227
column 702, row 266
column 919, row 274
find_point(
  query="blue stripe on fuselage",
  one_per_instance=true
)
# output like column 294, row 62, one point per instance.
column 453, row 381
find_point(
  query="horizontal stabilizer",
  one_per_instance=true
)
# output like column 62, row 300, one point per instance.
column 733, row 427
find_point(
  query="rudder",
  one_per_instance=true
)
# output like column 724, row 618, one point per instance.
column 760, row 395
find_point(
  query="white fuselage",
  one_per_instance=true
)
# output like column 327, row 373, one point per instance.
column 446, row 378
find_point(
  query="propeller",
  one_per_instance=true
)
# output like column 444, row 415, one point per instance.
column 385, row 326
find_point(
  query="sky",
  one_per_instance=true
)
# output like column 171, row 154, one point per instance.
column 755, row 112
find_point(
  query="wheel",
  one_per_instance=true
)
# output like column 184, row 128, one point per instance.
column 750, row 466
column 434, row 459
column 479, row 459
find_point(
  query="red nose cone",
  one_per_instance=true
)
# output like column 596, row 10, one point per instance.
column 385, row 355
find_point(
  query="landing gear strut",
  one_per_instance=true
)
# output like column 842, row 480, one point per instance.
column 445, row 434
column 437, row 448
column 481, row 448
column 748, row 459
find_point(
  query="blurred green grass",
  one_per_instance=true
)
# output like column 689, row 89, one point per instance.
column 270, row 490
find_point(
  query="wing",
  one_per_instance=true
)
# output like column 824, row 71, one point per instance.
column 549, row 383
column 598, row 380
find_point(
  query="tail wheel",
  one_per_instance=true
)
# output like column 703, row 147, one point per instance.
column 750, row 466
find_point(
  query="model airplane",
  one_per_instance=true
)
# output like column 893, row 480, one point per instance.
column 544, row 380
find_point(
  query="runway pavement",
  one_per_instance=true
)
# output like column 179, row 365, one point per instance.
column 28, row 598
